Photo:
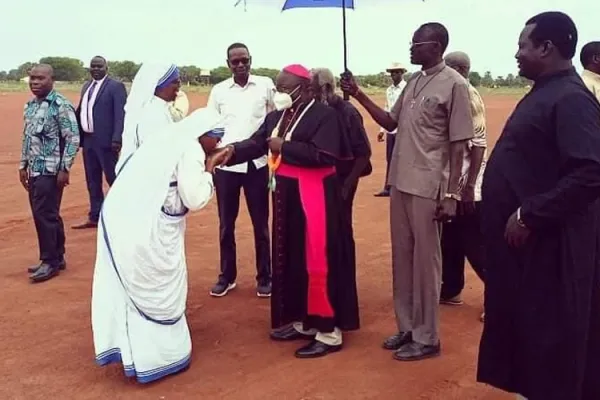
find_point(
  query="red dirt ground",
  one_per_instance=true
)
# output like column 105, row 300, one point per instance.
column 46, row 340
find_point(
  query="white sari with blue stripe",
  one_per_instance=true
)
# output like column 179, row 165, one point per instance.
column 140, row 279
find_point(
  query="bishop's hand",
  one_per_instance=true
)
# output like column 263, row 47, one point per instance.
column 219, row 157
column 275, row 144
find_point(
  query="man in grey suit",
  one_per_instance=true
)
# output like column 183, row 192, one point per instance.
column 100, row 115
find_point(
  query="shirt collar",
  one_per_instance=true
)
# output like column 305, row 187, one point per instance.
column 434, row 69
column 251, row 80
column 557, row 75
column 50, row 97
column 101, row 80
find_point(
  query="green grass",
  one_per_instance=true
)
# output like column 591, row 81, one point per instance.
column 15, row 87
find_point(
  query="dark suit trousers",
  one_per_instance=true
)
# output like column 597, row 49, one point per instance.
column 461, row 238
column 98, row 160
column 390, row 140
column 45, row 198
column 347, row 226
column 228, row 186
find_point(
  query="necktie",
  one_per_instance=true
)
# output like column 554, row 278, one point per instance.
column 89, row 106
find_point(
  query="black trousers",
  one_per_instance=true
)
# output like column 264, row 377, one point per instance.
column 347, row 227
column 461, row 239
column 98, row 160
column 228, row 186
column 45, row 198
column 390, row 141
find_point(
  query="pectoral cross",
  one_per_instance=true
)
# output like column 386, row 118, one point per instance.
column 412, row 103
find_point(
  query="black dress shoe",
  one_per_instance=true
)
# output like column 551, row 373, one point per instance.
column 383, row 193
column 416, row 351
column 397, row 341
column 288, row 334
column 33, row 269
column 44, row 273
column 316, row 349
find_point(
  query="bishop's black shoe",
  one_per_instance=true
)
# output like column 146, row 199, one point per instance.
column 316, row 349
column 287, row 334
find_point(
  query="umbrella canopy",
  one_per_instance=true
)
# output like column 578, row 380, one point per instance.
column 318, row 4
column 291, row 4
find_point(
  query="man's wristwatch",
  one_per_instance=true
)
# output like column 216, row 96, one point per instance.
column 519, row 220
column 452, row 196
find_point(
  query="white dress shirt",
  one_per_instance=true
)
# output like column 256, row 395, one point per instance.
column 87, row 107
column 244, row 109
column 391, row 96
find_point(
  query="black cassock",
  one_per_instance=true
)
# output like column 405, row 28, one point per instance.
column 311, row 282
column 541, row 336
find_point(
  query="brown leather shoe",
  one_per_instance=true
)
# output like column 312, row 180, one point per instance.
column 86, row 225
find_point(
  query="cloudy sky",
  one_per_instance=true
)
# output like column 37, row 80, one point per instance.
column 198, row 31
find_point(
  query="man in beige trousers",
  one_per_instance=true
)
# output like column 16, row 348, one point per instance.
column 433, row 117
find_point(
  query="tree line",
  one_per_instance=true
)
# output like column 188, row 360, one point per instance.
column 67, row 69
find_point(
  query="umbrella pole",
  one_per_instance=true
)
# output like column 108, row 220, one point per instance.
column 346, row 95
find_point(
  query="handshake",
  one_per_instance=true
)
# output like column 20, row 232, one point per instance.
column 218, row 157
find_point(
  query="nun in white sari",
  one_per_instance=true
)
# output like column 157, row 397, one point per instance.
column 140, row 279
column 149, row 107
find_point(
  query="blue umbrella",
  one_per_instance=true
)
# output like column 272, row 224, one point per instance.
column 343, row 4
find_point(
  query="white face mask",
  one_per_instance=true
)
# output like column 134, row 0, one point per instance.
column 283, row 101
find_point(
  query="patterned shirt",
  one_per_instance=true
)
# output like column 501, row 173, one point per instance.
column 50, row 135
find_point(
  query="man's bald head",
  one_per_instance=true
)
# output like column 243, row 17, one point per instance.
column 460, row 62
column 41, row 80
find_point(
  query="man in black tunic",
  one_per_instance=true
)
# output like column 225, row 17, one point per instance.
column 314, row 291
column 541, row 225
column 358, row 165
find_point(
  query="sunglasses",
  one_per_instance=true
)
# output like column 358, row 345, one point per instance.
column 238, row 61
column 416, row 44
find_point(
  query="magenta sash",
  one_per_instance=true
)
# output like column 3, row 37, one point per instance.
column 312, row 197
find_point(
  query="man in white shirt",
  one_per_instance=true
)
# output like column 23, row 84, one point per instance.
column 243, row 100
column 590, row 59
column 180, row 106
column 396, row 71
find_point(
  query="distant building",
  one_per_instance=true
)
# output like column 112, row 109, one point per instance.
column 205, row 76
